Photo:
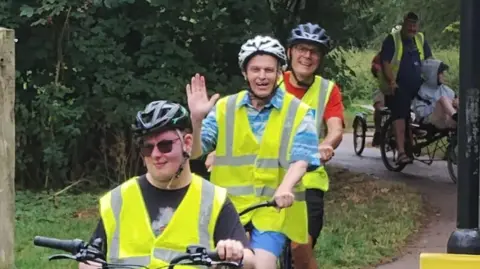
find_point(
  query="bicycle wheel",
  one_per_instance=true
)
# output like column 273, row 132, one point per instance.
column 452, row 159
column 388, row 145
column 359, row 134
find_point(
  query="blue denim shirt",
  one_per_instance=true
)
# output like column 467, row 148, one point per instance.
column 305, row 141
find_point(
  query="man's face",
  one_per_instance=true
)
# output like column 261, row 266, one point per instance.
column 262, row 72
column 163, row 154
column 410, row 28
column 305, row 59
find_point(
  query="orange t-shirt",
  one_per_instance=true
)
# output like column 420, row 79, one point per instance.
column 334, row 107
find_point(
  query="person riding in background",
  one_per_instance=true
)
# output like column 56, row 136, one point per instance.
column 150, row 219
column 308, row 45
column 401, row 55
column 265, row 141
column 378, row 95
column 436, row 103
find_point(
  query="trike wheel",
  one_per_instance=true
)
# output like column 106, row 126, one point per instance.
column 452, row 159
column 359, row 134
column 388, row 148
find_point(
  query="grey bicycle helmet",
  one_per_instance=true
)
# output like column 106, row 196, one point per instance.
column 310, row 33
column 160, row 116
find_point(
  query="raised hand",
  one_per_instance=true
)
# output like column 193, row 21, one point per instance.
column 198, row 101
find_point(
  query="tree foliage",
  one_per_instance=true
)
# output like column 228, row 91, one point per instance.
column 85, row 66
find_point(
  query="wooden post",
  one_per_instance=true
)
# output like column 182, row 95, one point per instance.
column 7, row 147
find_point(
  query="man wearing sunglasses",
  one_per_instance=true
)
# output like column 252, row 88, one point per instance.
column 265, row 141
column 150, row 219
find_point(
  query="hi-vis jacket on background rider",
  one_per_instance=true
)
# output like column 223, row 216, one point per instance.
column 317, row 97
column 419, row 40
column 252, row 171
column 130, row 238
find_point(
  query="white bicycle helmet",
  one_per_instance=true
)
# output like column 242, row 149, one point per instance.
column 261, row 44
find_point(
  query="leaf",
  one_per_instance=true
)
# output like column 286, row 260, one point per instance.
column 454, row 27
column 26, row 11
column 97, row 3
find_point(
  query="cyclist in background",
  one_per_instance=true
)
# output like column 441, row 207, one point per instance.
column 265, row 141
column 378, row 95
column 150, row 219
column 307, row 47
column 402, row 54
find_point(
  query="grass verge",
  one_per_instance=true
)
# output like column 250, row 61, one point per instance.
column 38, row 214
column 366, row 221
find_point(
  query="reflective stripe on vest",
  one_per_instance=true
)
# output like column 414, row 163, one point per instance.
column 258, row 178
column 281, row 162
column 166, row 255
column 419, row 40
column 324, row 91
column 317, row 97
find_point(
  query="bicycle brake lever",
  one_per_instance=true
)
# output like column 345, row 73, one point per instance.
column 61, row 256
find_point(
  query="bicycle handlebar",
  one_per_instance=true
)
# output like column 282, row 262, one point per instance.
column 71, row 246
column 83, row 252
column 259, row 205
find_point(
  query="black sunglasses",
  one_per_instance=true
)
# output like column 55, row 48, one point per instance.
column 164, row 146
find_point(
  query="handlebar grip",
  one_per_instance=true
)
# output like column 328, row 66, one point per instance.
column 272, row 203
column 72, row 246
column 213, row 255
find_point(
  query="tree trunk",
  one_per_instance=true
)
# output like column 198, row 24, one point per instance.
column 7, row 147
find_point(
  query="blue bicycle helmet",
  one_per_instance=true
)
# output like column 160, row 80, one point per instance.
column 310, row 33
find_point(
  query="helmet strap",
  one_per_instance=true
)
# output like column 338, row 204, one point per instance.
column 185, row 156
column 304, row 84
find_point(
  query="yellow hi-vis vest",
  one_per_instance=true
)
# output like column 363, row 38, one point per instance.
column 130, row 238
column 317, row 97
column 252, row 171
column 397, row 57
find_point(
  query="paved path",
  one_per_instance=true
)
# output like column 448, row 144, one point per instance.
column 433, row 181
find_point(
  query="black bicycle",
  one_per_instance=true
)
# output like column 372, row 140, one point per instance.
column 83, row 252
column 422, row 145
column 285, row 261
